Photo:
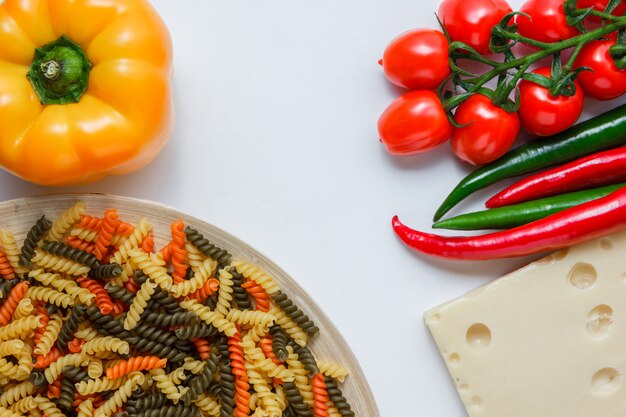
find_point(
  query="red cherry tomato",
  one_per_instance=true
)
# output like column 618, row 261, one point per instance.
column 489, row 133
column 470, row 21
column 548, row 21
column 541, row 113
column 600, row 5
column 606, row 82
column 415, row 122
column 417, row 59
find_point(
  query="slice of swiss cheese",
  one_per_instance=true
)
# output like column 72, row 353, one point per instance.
column 548, row 340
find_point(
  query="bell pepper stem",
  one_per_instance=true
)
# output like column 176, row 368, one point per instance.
column 59, row 72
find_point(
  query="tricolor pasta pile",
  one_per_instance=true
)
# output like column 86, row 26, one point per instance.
column 94, row 321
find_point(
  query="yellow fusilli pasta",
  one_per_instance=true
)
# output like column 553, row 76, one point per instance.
column 334, row 370
column 9, row 246
column 19, row 329
column 257, row 275
column 120, row 396
column 49, row 295
column 149, row 265
column 139, row 304
column 132, row 242
column 106, row 344
column 210, row 317
column 65, row 221
column 289, row 326
column 201, row 276
column 50, row 335
column 225, row 292
column 16, row 393
column 58, row 264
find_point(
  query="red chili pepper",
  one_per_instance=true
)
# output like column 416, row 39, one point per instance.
column 603, row 168
column 566, row 228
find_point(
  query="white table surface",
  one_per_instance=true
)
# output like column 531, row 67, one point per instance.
column 276, row 142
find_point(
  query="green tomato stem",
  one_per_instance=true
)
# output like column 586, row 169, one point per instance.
column 546, row 49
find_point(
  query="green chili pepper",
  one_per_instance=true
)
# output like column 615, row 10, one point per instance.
column 605, row 131
column 520, row 214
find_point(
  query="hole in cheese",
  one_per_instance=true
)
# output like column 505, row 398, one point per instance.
column 600, row 319
column 606, row 243
column 582, row 275
column 605, row 381
column 478, row 336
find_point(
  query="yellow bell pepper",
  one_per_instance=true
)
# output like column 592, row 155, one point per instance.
column 85, row 88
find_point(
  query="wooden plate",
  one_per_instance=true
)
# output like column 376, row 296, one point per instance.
column 20, row 214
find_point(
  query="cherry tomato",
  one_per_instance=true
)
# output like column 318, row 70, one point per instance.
column 470, row 21
column 548, row 21
column 489, row 132
column 415, row 122
column 541, row 113
column 606, row 82
column 417, row 59
column 600, row 5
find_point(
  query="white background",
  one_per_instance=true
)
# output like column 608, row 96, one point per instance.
column 275, row 142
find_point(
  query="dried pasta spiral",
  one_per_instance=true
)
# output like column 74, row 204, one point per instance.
column 337, row 398
column 34, row 236
column 106, row 271
column 255, row 355
column 242, row 387
column 302, row 320
column 148, row 266
column 18, row 329
column 9, row 247
column 70, row 326
column 16, row 393
column 201, row 276
column 49, row 295
column 59, row 264
column 289, row 326
column 12, row 300
column 210, row 317
column 106, row 344
column 296, row 401
column 139, row 304
column 64, row 250
column 132, row 242
column 24, row 308
column 109, row 225
column 258, row 294
column 178, row 251
column 225, row 292
column 207, row 248
column 250, row 317
column 333, row 370
column 166, row 386
column 63, row 223
column 97, row 384
column 85, row 408
column 301, row 376
column 6, row 269
column 120, row 396
column 48, row 407
column 208, row 405
column 257, row 275
column 320, row 396
column 137, row 363
column 50, row 335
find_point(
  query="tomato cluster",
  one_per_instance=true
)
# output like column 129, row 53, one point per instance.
column 480, row 127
